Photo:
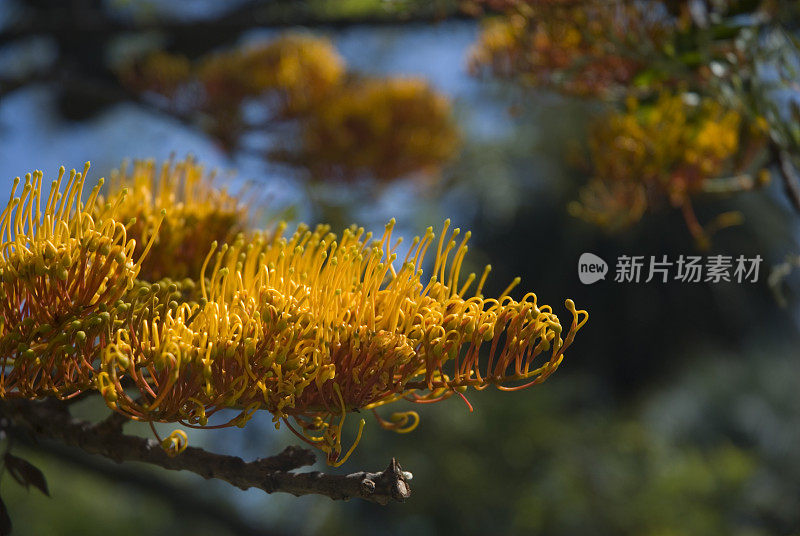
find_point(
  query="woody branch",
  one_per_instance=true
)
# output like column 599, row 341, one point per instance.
column 51, row 420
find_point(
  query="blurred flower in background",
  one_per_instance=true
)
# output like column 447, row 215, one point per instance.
column 349, row 126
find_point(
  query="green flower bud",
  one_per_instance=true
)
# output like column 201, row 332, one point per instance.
column 43, row 329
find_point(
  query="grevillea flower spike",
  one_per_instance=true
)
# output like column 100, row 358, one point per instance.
column 312, row 328
column 63, row 274
column 307, row 326
column 197, row 213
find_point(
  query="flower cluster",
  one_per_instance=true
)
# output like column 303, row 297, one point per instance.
column 64, row 271
column 313, row 328
column 672, row 149
column 197, row 214
column 678, row 75
column 348, row 126
column 297, row 70
column 307, row 326
column 387, row 128
column 583, row 48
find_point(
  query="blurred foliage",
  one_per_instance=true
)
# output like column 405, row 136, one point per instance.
column 397, row 8
column 318, row 10
column 682, row 83
column 580, row 47
column 612, row 49
column 73, row 502
column 710, row 454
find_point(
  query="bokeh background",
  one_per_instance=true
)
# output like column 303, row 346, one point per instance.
column 675, row 412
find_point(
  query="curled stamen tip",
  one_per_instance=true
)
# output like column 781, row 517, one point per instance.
column 175, row 443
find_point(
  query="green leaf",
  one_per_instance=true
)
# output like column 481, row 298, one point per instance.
column 5, row 520
column 25, row 473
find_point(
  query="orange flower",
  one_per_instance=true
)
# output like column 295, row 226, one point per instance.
column 312, row 328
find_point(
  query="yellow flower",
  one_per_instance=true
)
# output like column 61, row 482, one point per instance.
column 348, row 127
column 309, row 327
column 383, row 128
column 197, row 213
column 301, row 70
column 63, row 271
column 312, row 327
column 665, row 150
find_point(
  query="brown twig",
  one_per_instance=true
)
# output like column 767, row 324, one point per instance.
column 183, row 499
column 113, row 423
column 51, row 420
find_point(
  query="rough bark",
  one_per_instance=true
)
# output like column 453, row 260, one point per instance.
column 51, row 420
